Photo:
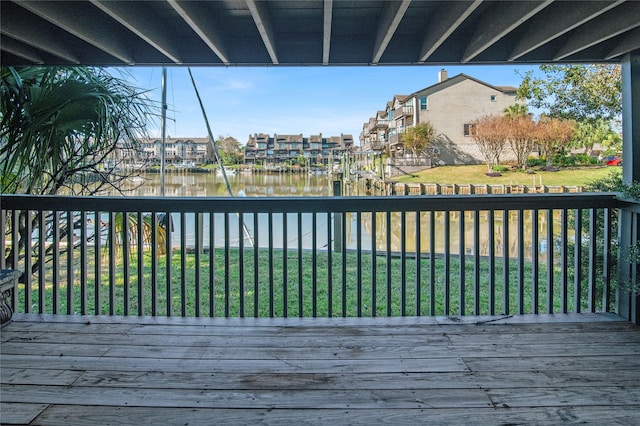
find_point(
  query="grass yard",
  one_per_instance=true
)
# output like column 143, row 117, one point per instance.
column 235, row 292
column 575, row 176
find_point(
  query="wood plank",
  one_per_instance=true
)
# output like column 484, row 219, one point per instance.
column 19, row 413
column 531, row 363
column 255, row 366
column 303, row 380
column 213, row 352
column 555, row 338
column 585, row 318
column 63, row 415
column 284, row 339
column 86, row 326
column 285, row 399
column 38, row 376
column 603, row 396
column 52, row 349
column 378, row 325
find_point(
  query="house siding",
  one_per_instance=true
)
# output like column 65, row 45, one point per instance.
column 451, row 103
column 456, row 105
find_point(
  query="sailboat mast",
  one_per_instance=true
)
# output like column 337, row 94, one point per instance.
column 164, row 130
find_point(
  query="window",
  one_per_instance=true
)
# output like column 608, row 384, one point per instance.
column 493, row 98
column 469, row 129
column 424, row 105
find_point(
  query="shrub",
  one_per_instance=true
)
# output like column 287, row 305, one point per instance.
column 535, row 162
column 564, row 160
column 585, row 159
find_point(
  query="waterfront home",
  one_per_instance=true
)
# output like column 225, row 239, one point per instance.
column 278, row 149
column 450, row 106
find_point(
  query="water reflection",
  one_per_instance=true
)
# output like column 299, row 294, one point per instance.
column 213, row 185
column 422, row 233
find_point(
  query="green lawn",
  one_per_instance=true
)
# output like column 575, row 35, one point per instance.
column 575, row 176
column 333, row 294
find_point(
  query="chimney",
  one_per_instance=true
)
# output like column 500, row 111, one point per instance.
column 442, row 75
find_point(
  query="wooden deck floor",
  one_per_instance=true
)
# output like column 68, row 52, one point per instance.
column 114, row 370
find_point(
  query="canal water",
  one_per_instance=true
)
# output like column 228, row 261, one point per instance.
column 309, row 185
column 251, row 184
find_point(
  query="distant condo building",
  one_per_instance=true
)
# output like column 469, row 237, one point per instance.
column 264, row 149
column 450, row 106
column 177, row 151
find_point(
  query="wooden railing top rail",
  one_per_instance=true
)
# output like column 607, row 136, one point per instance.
column 315, row 204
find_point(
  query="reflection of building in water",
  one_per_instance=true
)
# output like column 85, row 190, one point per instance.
column 177, row 151
column 453, row 246
column 213, row 185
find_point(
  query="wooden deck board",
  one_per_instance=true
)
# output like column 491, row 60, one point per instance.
column 64, row 415
column 548, row 369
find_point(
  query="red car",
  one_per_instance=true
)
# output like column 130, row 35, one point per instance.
column 614, row 161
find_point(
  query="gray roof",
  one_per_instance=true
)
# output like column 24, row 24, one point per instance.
column 457, row 79
column 330, row 32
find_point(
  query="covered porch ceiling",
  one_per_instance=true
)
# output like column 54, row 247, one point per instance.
column 330, row 32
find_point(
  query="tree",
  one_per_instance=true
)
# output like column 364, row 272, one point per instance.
column 490, row 136
column 552, row 135
column 58, row 125
column 515, row 110
column 612, row 144
column 418, row 138
column 588, row 134
column 521, row 138
column 578, row 92
column 228, row 147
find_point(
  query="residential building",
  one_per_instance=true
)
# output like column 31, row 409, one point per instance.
column 177, row 151
column 316, row 149
column 450, row 106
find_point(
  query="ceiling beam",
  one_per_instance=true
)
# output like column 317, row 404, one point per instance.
column 387, row 25
column 445, row 22
column 628, row 42
column 82, row 24
column 137, row 20
column 37, row 37
column 260, row 14
column 201, row 24
column 617, row 21
column 326, row 31
column 546, row 27
column 500, row 22
column 22, row 50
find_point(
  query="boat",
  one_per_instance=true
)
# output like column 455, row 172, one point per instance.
column 227, row 171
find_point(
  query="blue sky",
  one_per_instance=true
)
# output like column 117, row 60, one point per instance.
column 240, row 101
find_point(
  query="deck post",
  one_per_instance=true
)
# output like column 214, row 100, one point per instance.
column 627, row 300
column 337, row 216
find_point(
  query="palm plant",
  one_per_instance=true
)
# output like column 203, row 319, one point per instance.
column 58, row 125
column 515, row 110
